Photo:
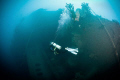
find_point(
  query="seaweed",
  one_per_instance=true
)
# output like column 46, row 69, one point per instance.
column 85, row 10
column 70, row 8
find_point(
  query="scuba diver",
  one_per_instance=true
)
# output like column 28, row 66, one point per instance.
column 57, row 49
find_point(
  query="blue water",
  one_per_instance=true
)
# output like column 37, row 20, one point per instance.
column 25, row 24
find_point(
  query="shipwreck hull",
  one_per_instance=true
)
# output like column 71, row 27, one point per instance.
column 96, row 52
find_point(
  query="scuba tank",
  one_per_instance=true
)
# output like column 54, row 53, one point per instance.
column 55, row 45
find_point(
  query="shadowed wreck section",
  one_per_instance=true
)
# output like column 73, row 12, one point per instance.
column 96, row 58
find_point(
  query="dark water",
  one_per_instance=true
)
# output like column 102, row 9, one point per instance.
column 30, row 58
